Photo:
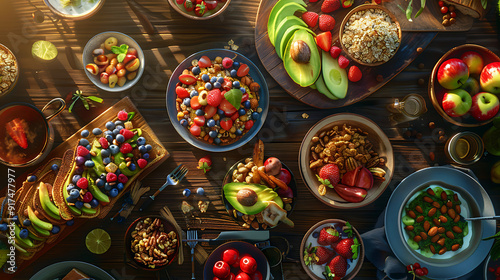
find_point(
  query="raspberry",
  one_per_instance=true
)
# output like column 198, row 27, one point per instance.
column 127, row 133
column 82, row 151
column 122, row 115
column 227, row 62
column 214, row 98
column 335, row 51
column 111, row 177
column 126, row 148
column 354, row 74
column 82, row 183
column 87, row 197
column 122, row 178
column 104, row 143
column 343, row 61
column 142, row 163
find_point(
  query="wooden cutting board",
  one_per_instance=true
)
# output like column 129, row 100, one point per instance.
column 357, row 91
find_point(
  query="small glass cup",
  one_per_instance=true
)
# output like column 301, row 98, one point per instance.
column 409, row 108
column 464, row 148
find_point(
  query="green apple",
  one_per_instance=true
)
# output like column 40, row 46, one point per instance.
column 456, row 102
column 471, row 86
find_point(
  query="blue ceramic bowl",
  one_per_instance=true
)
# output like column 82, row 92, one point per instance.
column 184, row 132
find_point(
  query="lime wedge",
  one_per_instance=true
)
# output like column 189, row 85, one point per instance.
column 44, row 50
column 98, row 241
column 462, row 148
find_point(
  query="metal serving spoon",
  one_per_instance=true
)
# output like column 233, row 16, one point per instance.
column 482, row 218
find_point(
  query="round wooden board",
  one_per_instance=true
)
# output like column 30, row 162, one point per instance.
column 357, row 91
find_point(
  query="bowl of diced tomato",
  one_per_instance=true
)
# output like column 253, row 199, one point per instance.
column 199, row 9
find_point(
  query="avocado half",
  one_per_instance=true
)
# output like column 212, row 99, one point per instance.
column 304, row 74
column 279, row 12
column 335, row 78
column 264, row 195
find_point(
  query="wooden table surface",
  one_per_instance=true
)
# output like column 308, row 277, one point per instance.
column 282, row 133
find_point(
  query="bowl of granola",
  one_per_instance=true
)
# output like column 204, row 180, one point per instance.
column 370, row 35
column 356, row 150
column 9, row 71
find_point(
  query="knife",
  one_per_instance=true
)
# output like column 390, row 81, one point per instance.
column 236, row 235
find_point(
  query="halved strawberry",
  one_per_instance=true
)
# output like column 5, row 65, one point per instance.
column 199, row 120
column 324, row 40
column 227, row 85
column 204, row 62
column 227, row 107
column 243, row 70
column 347, row 3
column 235, row 116
column 310, row 18
column 181, row 92
column 226, row 123
column 210, row 111
column 187, row 79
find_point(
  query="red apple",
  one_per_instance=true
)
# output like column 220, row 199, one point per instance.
column 474, row 61
column 256, row 276
column 490, row 78
column 248, row 264
column 231, row 277
column 456, row 102
column 230, row 256
column 221, row 269
column 285, row 176
column 243, row 276
column 484, row 106
column 452, row 73
column 273, row 166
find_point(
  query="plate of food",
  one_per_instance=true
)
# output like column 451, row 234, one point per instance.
column 72, row 270
column 259, row 194
column 217, row 100
column 346, row 160
column 8, row 71
column 199, row 10
column 424, row 222
column 74, row 9
column 236, row 260
column 332, row 247
column 464, row 85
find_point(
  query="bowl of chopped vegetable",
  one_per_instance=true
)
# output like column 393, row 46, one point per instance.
column 74, row 9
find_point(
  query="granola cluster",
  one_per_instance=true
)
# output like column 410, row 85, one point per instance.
column 8, row 70
column 371, row 36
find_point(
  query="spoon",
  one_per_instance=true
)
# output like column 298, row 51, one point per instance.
column 482, row 218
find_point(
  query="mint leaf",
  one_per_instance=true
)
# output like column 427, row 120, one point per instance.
column 95, row 99
column 234, row 97
column 121, row 57
column 116, row 50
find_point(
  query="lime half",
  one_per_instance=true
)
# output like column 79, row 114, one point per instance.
column 44, row 50
column 98, row 241
column 462, row 148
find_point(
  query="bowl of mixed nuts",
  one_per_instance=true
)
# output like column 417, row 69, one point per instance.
column 355, row 155
column 151, row 243
column 9, row 71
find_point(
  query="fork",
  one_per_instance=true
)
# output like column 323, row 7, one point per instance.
column 172, row 179
column 192, row 235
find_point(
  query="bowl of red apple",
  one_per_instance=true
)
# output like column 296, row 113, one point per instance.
column 236, row 260
column 464, row 85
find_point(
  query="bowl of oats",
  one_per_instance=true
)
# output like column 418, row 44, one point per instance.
column 370, row 35
column 9, row 71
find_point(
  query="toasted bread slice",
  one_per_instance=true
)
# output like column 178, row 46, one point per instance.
column 65, row 173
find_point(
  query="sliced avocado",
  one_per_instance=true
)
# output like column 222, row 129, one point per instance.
column 335, row 77
column 321, row 87
column 89, row 211
column 264, row 195
column 283, row 40
column 286, row 9
column 283, row 26
column 304, row 74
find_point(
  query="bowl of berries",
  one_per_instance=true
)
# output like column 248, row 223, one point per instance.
column 332, row 248
column 113, row 61
column 199, row 9
column 217, row 100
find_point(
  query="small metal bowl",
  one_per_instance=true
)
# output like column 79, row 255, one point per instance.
column 362, row 8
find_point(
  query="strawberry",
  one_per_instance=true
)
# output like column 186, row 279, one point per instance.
column 211, row 4
column 313, row 1
column 142, row 163
column 187, row 79
column 195, row 103
column 326, row 22
column 227, row 62
column 242, row 70
column 227, row 107
column 204, row 62
column 210, row 111
column 195, row 130
column 122, row 115
column 189, row 5
column 343, row 61
column 199, row 121
column 324, row 40
column 347, row 3
column 200, row 9
column 81, row 151
column 181, row 92
column 335, row 51
column 180, row 2
column 205, row 164
column 310, row 18
column 226, row 123
column 347, row 248
column 329, row 6
column 214, row 97
column 354, row 74
column 336, row 269
column 317, row 255
column 328, row 236
column 329, row 174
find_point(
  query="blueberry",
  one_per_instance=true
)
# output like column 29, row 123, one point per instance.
column 193, row 93
column 70, row 199
column 24, row 233
column 142, row 149
column 110, row 137
column 100, row 182
column 247, row 104
column 213, row 80
column 118, row 122
column 211, row 123
column 89, row 163
column 208, row 86
column 106, row 160
column 113, row 192
column 107, row 186
column 119, row 186
column 70, row 187
column 315, row 234
column 186, row 193
column 70, row 222
column 96, row 131
column 200, row 112
column 220, row 80
column 255, row 115
column 217, row 85
column 212, row 133
column 242, row 111
column 118, row 172
column 110, row 125
column 31, row 178
column 119, row 127
column 205, row 77
column 238, row 132
column 114, row 149
column 120, row 138
column 148, row 147
column 187, row 101
column 85, row 133
column 145, row 156
column 132, row 167
column 79, row 204
column 83, row 142
column 217, row 123
column 26, row 223
column 184, row 122
column 243, row 90
column 55, row 229
column 79, row 169
column 89, row 147
column 88, row 156
column 220, row 112
column 94, row 203
column 236, row 84
column 104, row 153
column 109, row 132
column 196, row 70
column 234, row 73
column 141, row 140
column 75, row 179
column 236, row 64
column 115, row 132
column 217, row 141
column 3, row 227
column 200, row 191
column 54, row 167
column 15, row 219
column 74, row 193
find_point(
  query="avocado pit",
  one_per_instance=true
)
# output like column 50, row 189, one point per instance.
column 300, row 51
column 247, row 197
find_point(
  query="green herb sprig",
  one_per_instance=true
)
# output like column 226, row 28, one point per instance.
column 78, row 95
column 121, row 51
column 409, row 10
